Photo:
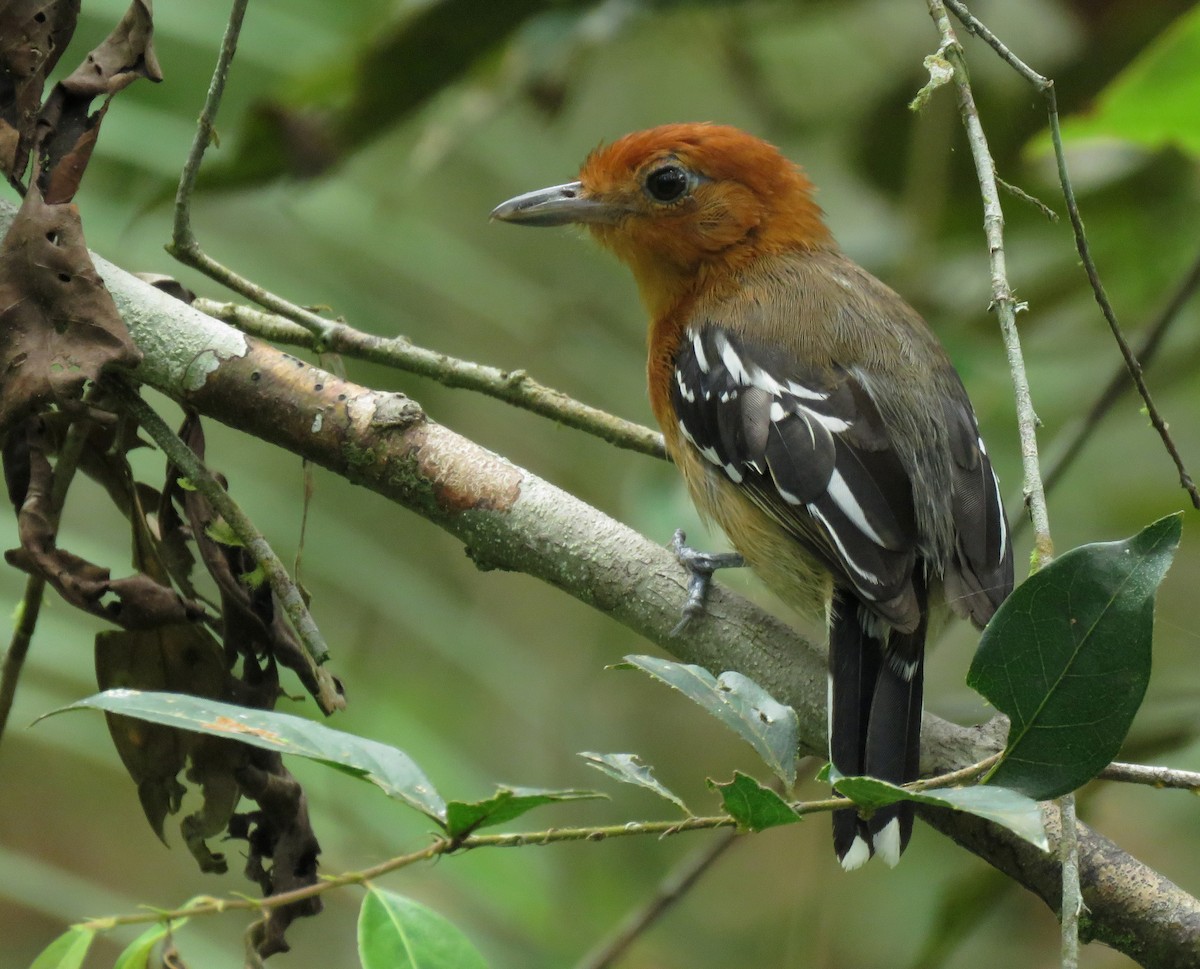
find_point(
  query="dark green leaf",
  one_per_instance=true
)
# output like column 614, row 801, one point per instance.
column 67, row 951
column 1067, row 658
column 738, row 702
column 1008, row 808
column 390, row 769
column 395, row 932
column 752, row 805
column 463, row 817
column 628, row 769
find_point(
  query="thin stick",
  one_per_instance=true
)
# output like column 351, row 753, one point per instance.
column 1002, row 299
column 1072, row 896
column 182, row 456
column 1118, row 383
column 184, row 245
column 672, row 888
column 514, row 387
column 1160, row 777
column 1045, row 87
column 35, row 585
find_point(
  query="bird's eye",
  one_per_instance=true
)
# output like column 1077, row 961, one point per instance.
column 668, row 183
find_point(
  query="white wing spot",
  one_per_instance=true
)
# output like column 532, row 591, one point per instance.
column 688, row 394
column 869, row 577
column 698, row 349
column 733, row 363
column 840, row 492
column 835, row 425
column 799, row 390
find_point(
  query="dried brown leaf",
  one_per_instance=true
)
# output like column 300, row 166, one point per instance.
column 134, row 602
column 59, row 327
column 255, row 626
column 66, row 131
column 33, row 35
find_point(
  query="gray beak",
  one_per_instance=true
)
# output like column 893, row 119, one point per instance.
column 558, row 205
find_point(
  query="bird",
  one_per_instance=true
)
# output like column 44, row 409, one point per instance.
column 815, row 417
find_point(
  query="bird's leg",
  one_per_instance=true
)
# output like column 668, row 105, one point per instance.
column 700, row 567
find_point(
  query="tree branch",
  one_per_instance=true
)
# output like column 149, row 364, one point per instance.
column 511, row 519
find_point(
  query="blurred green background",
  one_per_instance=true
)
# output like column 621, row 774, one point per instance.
column 492, row 677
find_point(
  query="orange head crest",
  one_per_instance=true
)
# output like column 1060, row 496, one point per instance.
column 677, row 200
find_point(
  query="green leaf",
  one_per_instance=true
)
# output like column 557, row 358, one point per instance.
column 769, row 726
column 463, row 817
column 388, row 768
column 67, row 951
column 395, row 932
column 136, row 955
column 1152, row 102
column 752, row 805
column 630, row 770
column 1001, row 805
column 1067, row 658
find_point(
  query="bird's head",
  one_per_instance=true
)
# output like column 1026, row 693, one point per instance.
column 680, row 200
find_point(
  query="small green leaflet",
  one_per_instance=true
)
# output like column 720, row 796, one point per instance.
column 628, row 769
column 1067, row 659
column 136, row 955
column 395, row 932
column 1008, row 808
column 67, row 951
column 507, row 803
column 752, row 805
column 388, row 768
column 769, row 726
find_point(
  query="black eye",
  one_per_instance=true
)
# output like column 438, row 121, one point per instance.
column 668, row 183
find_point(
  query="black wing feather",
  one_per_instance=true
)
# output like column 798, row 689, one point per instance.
column 811, row 449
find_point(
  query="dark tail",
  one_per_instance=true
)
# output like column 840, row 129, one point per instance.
column 874, row 722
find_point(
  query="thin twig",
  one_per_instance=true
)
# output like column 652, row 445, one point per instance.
column 672, row 888
column 35, row 585
column 184, row 245
column 18, row 646
column 1072, row 895
column 953, row 778
column 1118, row 384
column 1045, row 87
column 1002, row 299
column 1161, row 777
column 514, row 387
column 179, row 454
column 443, row 845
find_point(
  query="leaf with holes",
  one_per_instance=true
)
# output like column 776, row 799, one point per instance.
column 769, row 726
column 628, row 769
column 388, row 768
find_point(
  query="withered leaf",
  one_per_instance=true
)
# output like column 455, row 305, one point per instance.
column 254, row 624
column 177, row 659
column 66, row 132
column 280, row 830
column 33, row 35
column 59, row 327
column 134, row 602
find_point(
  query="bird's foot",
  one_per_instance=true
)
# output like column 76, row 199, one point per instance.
column 700, row 567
